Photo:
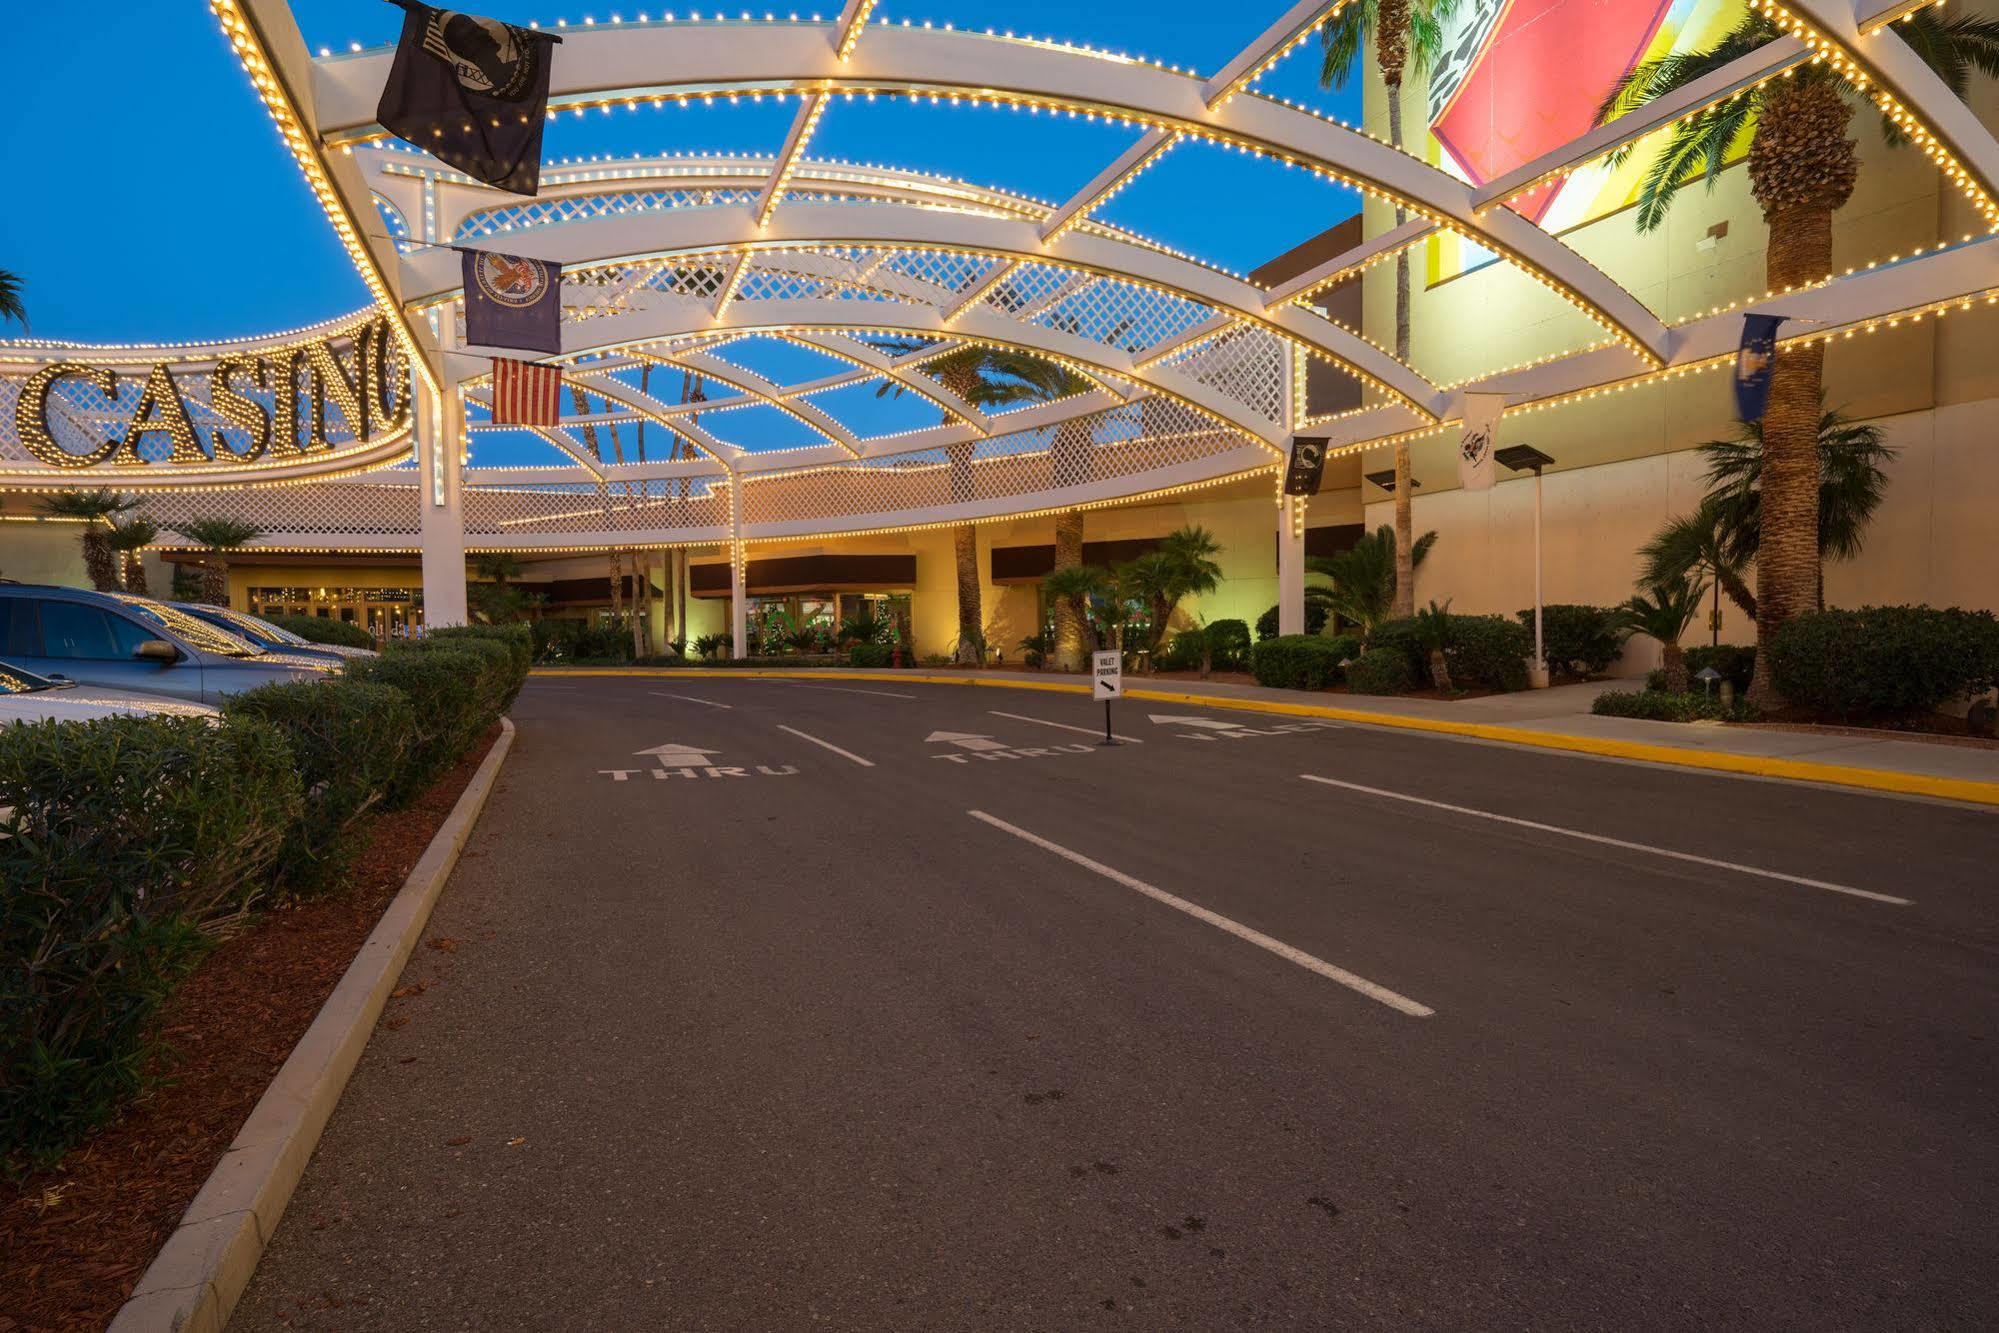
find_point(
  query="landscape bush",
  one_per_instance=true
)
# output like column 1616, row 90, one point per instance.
column 493, row 679
column 1182, row 652
column 1735, row 662
column 1578, row 640
column 444, row 686
column 123, row 839
column 325, row 629
column 349, row 740
column 516, row 639
column 1381, row 671
column 1660, row 705
column 870, row 655
column 1884, row 661
column 1486, row 651
column 1315, row 621
column 1298, row 661
column 1228, row 644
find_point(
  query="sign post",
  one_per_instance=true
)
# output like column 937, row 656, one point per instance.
column 1107, row 681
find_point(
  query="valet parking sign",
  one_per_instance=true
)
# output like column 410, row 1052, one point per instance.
column 1107, row 671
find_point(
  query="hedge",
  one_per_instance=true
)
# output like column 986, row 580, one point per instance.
column 1299, row 661
column 1666, row 706
column 1487, row 651
column 870, row 655
column 1228, row 644
column 1380, row 671
column 126, row 836
column 325, row 629
column 1315, row 621
column 1577, row 640
column 444, row 685
column 1884, row 661
column 516, row 639
column 349, row 740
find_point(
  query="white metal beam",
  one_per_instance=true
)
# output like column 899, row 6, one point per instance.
column 1108, row 182
column 1294, row 26
column 1349, row 262
column 759, row 390
column 811, row 106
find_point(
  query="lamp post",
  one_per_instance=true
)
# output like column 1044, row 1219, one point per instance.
column 1522, row 458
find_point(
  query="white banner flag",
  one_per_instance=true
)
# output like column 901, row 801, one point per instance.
column 1475, row 469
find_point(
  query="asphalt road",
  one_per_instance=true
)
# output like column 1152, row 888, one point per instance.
column 887, row 1010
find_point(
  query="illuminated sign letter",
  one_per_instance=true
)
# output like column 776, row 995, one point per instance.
column 243, row 412
column 325, row 375
column 161, row 409
column 31, row 414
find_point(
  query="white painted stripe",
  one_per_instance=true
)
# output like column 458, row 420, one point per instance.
column 1399, row 1003
column 828, row 745
column 688, row 699
column 1044, row 722
column 1617, row 842
column 843, row 689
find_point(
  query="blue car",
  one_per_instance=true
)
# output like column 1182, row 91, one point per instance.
column 133, row 643
column 264, row 634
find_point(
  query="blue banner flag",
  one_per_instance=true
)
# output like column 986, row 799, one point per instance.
column 1752, row 365
column 512, row 302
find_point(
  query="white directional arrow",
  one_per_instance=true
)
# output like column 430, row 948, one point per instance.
column 676, row 755
column 965, row 740
column 1173, row 719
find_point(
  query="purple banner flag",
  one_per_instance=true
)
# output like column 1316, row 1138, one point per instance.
column 1752, row 365
column 512, row 302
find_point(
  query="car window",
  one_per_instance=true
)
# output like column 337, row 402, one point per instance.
column 129, row 634
column 18, row 637
column 74, row 630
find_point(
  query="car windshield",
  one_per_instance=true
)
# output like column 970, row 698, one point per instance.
column 256, row 625
column 209, row 638
column 13, row 680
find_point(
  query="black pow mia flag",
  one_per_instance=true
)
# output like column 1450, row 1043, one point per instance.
column 1308, row 460
column 472, row 92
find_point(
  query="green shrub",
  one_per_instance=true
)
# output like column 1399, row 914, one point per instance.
column 124, row 838
column 1380, row 671
column 1884, row 661
column 1297, row 662
column 444, row 685
column 325, row 629
column 494, row 676
column 349, row 741
column 707, row 645
column 1578, row 640
column 1315, row 621
column 1664, row 706
column 1487, row 651
column 870, row 655
column 1182, row 652
column 1228, row 644
column 1735, row 663
column 517, row 639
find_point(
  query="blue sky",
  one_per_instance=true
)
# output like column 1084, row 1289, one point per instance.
column 150, row 198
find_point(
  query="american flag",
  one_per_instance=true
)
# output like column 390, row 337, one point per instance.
column 526, row 394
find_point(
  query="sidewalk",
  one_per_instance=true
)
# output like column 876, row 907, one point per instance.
column 1557, row 718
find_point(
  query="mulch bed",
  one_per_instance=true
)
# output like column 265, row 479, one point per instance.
column 76, row 1239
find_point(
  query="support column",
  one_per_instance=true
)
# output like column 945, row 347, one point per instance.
column 1291, row 565
column 739, row 607
column 440, row 444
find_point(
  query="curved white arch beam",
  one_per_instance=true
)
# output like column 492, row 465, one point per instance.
column 435, row 275
column 760, row 391
column 640, row 61
column 876, row 363
column 648, row 406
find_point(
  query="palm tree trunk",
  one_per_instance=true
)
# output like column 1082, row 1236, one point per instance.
column 1392, row 52
column 98, row 560
column 1677, row 680
column 971, row 615
column 215, row 580
column 135, row 575
column 1069, row 626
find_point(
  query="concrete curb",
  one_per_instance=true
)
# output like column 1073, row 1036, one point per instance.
column 205, row 1266
column 1967, row 790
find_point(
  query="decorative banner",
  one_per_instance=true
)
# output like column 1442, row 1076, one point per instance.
column 1308, row 460
column 1752, row 365
column 1482, row 412
column 526, row 394
column 512, row 302
column 472, row 92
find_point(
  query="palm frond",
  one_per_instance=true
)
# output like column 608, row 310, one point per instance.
column 11, row 305
column 1341, row 40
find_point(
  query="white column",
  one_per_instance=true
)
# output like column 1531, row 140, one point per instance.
column 440, row 444
column 1291, row 565
column 739, row 607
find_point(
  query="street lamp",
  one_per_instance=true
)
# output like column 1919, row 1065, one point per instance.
column 1522, row 458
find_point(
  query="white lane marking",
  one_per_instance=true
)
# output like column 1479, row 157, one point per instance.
column 688, row 699
column 1044, row 722
column 1618, row 842
column 1399, row 1003
column 828, row 745
column 1212, row 723
column 843, row 689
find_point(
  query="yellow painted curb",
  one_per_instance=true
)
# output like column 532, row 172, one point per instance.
column 1762, row 766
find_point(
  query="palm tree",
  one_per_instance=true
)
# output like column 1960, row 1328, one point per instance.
column 219, row 535
column 130, row 538
column 11, row 306
column 1433, row 632
column 98, row 511
column 1802, row 169
column 1181, row 566
column 1364, row 577
column 986, row 378
column 1406, row 35
column 1073, row 588
column 1665, row 616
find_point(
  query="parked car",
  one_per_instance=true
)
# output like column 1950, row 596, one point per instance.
column 115, row 641
column 26, row 697
column 273, row 638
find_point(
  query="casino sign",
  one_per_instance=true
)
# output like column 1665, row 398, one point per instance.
column 264, row 404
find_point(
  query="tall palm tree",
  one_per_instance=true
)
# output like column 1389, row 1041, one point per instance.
column 98, row 510
column 1182, row 566
column 1073, row 588
column 1664, row 615
column 219, row 535
column 986, row 378
column 11, row 306
column 1405, row 36
column 1364, row 577
column 1802, row 169
column 1698, row 544
column 130, row 538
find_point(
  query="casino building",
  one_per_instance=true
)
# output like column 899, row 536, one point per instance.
column 726, row 318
